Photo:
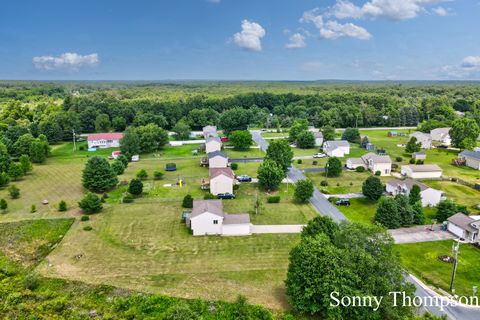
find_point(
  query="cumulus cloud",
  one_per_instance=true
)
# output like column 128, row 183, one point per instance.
column 331, row 29
column 468, row 67
column 250, row 36
column 66, row 61
column 296, row 41
column 441, row 11
column 390, row 9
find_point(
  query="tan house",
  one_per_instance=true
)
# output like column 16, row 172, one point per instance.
column 425, row 139
column 217, row 159
column 372, row 162
column 221, row 180
column 471, row 158
column 208, row 218
column 430, row 197
column 423, row 171
column 213, row 144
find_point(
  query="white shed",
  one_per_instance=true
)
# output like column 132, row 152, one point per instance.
column 424, row 171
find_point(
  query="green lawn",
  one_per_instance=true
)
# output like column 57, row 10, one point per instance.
column 361, row 210
column 421, row 259
column 274, row 134
column 249, row 168
column 457, row 192
column 349, row 181
column 250, row 153
column 285, row 212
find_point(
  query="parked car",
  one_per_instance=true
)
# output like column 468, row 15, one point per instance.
column 226, row 195
column 442, row 146
column 343, row 202
column 224, row 139
column 319, row 155
column 244, row 178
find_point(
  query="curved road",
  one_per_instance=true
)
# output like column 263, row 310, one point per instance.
column 321, row 204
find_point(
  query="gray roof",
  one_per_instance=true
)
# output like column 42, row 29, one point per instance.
column 419, row 154
column 407, row 183
column 318, row 135
column 236, row 218
column 216, row 153
column 213, row 138
column 424, row 167
column 376, row 158
column 463, row 221
column 470, row 154
column 213, row 206
column 356, row 160
column 440, row 131
column 334, row 144
column 209, row 129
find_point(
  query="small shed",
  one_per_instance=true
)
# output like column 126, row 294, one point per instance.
column 419, row 156
column 370, row 147
column 392, row 134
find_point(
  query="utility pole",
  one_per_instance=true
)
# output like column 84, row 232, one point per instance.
column 74, row 140
column 456, row 249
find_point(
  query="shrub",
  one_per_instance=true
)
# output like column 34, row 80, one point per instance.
column 91, row 203
column 360, row 169
column 30, row 281
column 33, row 208
column 314, row 162
column 135, row 187
column 333, row 167
column 142, row 174
column 123, row 159
column 234, row 166
column 324, row 183
column 209, row 196
column 81, row 148
column 187, row 201
column 88, row 228
column 236, row 187
column 3, row 205
column 394, row 166
column 14, row 191
column 128, row 198
column 412, row 161
column 303, row 191
column 84, row 218
column 399, row 159
column 299, row 161
column 273, row 199
column 98, row 175
column 419, row 162
column 118, row 167
column 62, row 206
column 157, row 175
column 378, row 173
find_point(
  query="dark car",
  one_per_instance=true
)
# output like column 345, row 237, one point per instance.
column 226, row 195
column 343, row 202
column 244, row 178
column 442, row 146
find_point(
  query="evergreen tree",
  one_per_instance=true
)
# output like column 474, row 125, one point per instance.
column 372, row 188
column 25, row 163
column 333, row 168
column 187, row 201
column 98, row 176
column 387, row 214
column 405, row 210
column 118, row 167
column 135, row 187
column 418, row 215
column 90, row 203
column 415, row 195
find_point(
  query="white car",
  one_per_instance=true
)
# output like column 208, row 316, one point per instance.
column 319, row 155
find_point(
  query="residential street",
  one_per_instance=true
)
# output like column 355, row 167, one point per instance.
column 321, row 204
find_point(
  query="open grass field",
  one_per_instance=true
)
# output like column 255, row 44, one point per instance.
column 421, row 259
column 275, row 134
column 144, row 246
column 457, row 192
column 250, row 153
column 349, row 181
column 361, row 210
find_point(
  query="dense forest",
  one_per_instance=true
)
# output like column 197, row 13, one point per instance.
column 54, row 109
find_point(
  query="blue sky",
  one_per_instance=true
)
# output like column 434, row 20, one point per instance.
column 240, row 39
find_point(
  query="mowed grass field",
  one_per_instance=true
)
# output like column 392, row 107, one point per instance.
column 144, row 246
column 421, row 259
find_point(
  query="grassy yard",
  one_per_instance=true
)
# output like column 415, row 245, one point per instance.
column 274, row 134
column 145, row 246
column 249, row 168
column 421, row 259
column 250, row 153
column 457, row 192
column 361, row 210
column 349, row 181
column 285, row 212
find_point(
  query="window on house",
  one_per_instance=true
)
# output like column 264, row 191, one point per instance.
column 215, row 221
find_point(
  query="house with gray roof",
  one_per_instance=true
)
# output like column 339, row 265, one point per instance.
column 210, row 131
column 372, row 162
column 425, row 139
column 213, row 144
column 430, row 196
column 471, row 158
column 441, row 135
column 217, row 159
column 336, row 148
column 464, row 227
column 208, row 218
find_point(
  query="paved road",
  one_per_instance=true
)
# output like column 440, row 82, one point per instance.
column 320, row 202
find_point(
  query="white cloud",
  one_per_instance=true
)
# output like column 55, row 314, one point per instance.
column 250, row 36
column 441, row 11
column 66, row 61
column 390, row 9
column 332, row 29
column 470, row 66
column 297, row 41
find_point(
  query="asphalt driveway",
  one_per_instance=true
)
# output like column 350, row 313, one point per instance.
column 420, row 234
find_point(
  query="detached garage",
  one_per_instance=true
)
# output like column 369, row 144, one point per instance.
column 236, row 225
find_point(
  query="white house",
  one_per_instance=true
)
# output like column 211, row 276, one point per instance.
column 423, row 171
column 213, row 144
column 208, row 218
column 318, row 139
column 441, row 135
column 430, row 197
column 210, row 131
column 104, row 140
column 424, row 138
column 464, row 227
column 221, row 180
column 472, row 158
column 336, row 148
column 217, row 159
column 372, row 162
